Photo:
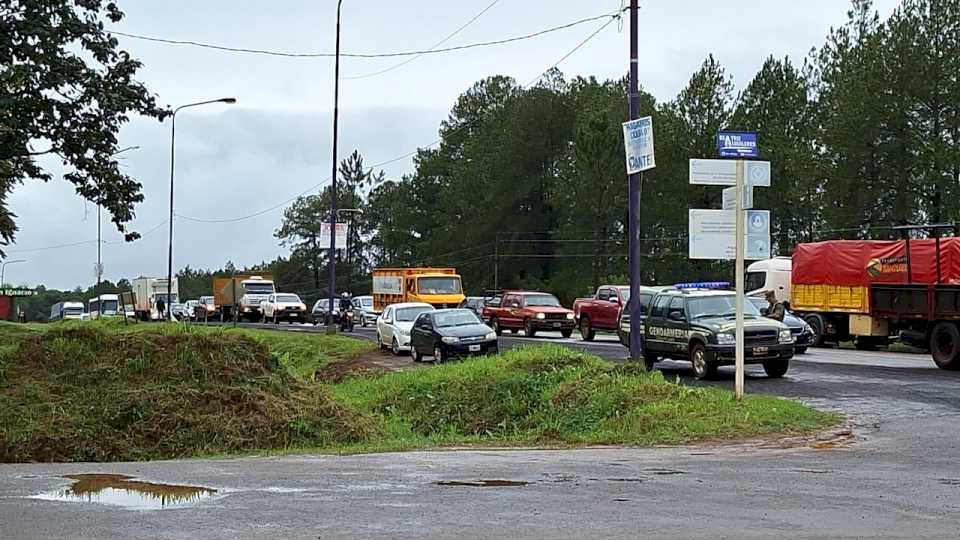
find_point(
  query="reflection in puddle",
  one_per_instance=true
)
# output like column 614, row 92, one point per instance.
column 121, row 490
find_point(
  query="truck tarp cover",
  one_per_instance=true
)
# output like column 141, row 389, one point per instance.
column 855, row 263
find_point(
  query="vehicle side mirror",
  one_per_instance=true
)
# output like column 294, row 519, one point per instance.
column 764, row 311
column 677, row 316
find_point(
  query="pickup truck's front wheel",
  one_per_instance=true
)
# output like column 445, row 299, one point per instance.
column 528, row 328
column 586, row 331
column 702, row 368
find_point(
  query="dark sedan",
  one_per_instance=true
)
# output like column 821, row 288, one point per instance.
column 449, row 333
column 802, row 333
column 319, row 312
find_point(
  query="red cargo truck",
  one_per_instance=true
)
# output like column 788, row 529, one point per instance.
column 871, row 291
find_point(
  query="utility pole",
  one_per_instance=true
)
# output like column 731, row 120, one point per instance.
column 636, row 183
column 332, row 261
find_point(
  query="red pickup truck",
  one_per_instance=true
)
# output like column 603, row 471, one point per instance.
column 531, row 312
column 600, row 311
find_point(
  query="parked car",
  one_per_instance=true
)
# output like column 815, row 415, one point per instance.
column 363, row 311
column 449, row 333
column 180, row 311
column 698, row 325
column 319, row 312
column 283, row 307
column 531, row 312
column 600, row 312
column 394, row 325
column 802, row 332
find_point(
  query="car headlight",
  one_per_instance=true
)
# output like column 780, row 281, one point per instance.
column 726, row 338
column 492, row 336
column 403, row 331
column 786, row 336
column 450, row 339
column 569, row 316
column 541, row 316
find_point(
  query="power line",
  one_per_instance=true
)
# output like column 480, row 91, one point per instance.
column 614, row 16
column 84, row 242
column 432, row 48
column 267, row 52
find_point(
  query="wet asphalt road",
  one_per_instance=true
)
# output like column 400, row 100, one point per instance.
column 898, row 478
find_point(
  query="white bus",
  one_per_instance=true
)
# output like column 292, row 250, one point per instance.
column 62, row 311
column 105, row 305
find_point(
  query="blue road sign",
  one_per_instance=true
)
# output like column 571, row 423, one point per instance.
column 738, row 144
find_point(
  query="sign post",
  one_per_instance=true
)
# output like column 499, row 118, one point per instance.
column 739, row 282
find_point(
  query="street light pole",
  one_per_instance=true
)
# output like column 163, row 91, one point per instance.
column 173, row 135
column 332, row 259
column 3, row 269
column 99, row 206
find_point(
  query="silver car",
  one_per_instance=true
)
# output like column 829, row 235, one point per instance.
column 363, row 311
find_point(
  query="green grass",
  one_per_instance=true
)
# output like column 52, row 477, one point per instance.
column 103, row 391
column 551, row 396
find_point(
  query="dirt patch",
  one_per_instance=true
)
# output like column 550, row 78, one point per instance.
column 369, row 364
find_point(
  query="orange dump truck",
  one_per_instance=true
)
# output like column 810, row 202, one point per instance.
column 439, row 287
column 872, row 291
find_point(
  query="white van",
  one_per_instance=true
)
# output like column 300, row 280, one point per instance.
column 105, row 305
column 770, row 275
column 62, row 311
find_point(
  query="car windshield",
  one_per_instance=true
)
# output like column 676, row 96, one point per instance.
column 258, row 288
column 108, row 305
column 409, row 314
column 207, row 300
column 718, row 306
column 755, row 281
column 366, row 302
column 460, row 317
column 439, row 285
column 624, row 292
column 73, row 311
column 541, row 300
column 288, row 298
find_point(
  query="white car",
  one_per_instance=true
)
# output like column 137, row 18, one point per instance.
column 283, row 307
column 394, row 325
column 363, row 311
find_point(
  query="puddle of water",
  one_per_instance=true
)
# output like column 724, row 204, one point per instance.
column 663, row 472
column 482, row 483
column 125, row 491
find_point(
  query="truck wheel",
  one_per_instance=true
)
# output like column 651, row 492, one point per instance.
column 496, row 326
column 586, row 331
column 818, row 325
column 945, row 346
column 528, row 328
column 702, row 368
column 776, row 368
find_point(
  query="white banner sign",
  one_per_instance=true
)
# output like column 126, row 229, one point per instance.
column 387, row 285
column 723, row 172
column 713, row 234
column 638, row 143
column 341, row 239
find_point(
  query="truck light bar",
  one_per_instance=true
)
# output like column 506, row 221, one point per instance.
column 704, row 285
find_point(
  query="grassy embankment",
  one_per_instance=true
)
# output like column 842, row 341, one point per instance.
column 105, row 392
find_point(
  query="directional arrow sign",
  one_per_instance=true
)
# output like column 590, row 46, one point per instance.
column 730, row 198
column 723, row 172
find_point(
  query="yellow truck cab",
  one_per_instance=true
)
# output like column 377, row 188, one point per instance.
column 439, row 287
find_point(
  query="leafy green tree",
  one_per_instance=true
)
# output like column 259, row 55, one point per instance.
column 65, row 90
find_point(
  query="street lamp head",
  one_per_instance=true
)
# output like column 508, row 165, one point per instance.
column 229, row 100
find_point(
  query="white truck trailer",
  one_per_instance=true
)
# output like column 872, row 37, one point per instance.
column 148, row 292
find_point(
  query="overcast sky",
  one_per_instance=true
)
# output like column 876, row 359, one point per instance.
column 274, row 143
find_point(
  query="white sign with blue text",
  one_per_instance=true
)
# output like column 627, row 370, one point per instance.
column 638, row 143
